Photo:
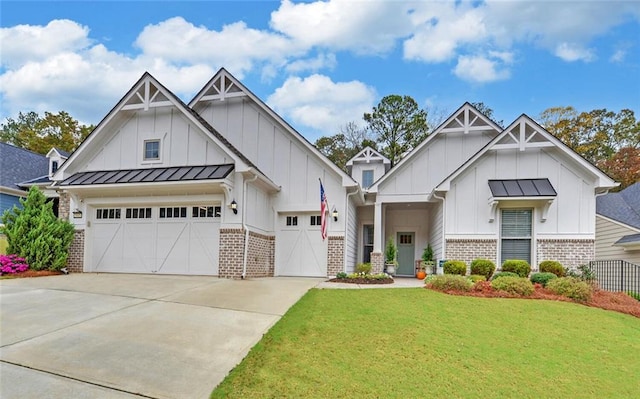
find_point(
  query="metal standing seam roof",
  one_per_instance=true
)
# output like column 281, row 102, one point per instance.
column 522, row 188
column 151, row 175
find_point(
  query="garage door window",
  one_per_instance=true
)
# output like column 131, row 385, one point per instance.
column 292, row 220
column 138, row 213
column 206, row 212
column 173, row 212
column 316, row 221
column 108, row 213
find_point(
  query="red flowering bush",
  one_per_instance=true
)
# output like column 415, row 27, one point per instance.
column 11, row 264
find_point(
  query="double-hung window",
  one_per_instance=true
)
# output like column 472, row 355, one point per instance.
column 515, row 234
column 367, row 178
column 151, row 150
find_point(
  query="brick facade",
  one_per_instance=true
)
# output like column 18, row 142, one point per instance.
column 260, row 255
column 469, row 249
column 75, row 261
column 231, row 253
column 63, row 206
column 335, row 255
column 377, row 262
column 570, row 253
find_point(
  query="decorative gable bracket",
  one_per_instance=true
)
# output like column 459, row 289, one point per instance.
column 494, row 202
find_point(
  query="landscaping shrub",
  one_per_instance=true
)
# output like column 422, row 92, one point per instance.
column 449, row 282
column 504, row 274
column 341, row 275
column 519, row 267
column 634, row 295
column 11, row 264
column 551, row 266
column 483, row 267
column 363, row 268
column 584, row 273
column 36, row 234
column 542, row 278
column 513, row 285
column 455, row 267
column 477, row 277
column 571, row 287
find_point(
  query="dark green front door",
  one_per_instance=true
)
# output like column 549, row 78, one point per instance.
column 406, row 254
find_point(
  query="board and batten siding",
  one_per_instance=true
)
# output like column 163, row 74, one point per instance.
column 181, row 143
column 571, row 213
column 435, row 230
column 607, row 233
column 278, row 154
column 352, row 238
column 259, row 210
column 434, row 162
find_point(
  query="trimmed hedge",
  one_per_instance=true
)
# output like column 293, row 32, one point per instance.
column 483, row 267
column 552, row 266
column 513, row 285
column 455, row 267
column 504, row 274
column 542, row 278
column 571, row 288
column 477, row 277
column 517, row 266
column 449, row 282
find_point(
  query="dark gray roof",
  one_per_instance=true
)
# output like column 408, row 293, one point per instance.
column 150, row 175
column 18, row 165
column 62, row 152
column 630, row 239
column 623, row 206
column 522, row 188
column 37, row 180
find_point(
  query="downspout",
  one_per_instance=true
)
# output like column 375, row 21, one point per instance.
column 346, row 226
column 244, row 225
column 444, row 212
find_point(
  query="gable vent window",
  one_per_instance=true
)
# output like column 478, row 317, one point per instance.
column 108, row 213
column 151, row 150
column 54, row 166
column 206, row 212
column 516, row 234
column 173, row 212
column 292, row 220
column 316, row 221
column 367, row 178
column 138, row 213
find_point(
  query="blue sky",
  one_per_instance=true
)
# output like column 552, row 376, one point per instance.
column 323, row 64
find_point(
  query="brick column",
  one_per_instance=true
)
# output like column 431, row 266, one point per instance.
column 231, row 253
column 335, row 255
column 64, row 203
column 260, row 255
column 377, row 262
column 75, row 261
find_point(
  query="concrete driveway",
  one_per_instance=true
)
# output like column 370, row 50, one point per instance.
column 131, row 336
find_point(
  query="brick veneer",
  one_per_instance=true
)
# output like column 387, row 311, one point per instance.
column 470, row 249
column 63, row 206
column 377, row 262
column 335, row 255
column 570, row 253
column 260, row 255
column 75, row 261
column 231, row 253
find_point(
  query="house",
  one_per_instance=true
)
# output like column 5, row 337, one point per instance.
column 618, row 225
column 224, row 186
column 21, row 169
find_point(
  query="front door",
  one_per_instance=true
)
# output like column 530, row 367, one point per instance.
column 406, row 254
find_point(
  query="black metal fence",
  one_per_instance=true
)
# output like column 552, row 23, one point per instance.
column 616, row 275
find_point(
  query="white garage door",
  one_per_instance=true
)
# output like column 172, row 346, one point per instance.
column 300, row 250
column 155, row 239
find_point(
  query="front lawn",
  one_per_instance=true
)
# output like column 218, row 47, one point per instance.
column 388, row 343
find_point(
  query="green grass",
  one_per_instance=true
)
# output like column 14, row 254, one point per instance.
column 397, row 343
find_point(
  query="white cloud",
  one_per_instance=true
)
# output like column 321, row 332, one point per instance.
column 480, row 69
column 618, row 56
column 322, row 61
column 571, row 52
column 320, row 103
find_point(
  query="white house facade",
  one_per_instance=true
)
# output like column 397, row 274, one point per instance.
column 224, row 186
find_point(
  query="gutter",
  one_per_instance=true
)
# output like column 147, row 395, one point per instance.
column 244, row 225
column 444, row 213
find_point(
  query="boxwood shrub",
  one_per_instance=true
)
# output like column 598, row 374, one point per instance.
column 504, row 274
column 363, row 268
column 551, row 266
column 571, row 287
column 542, row 278
column 477, row 277
column 449, row 282
column 483, row 267
column 517, row 266
column 513, row 285
column 455, row 267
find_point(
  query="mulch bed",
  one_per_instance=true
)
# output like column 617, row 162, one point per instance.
column 361, row 281
column 31, row 273
column 616, row 301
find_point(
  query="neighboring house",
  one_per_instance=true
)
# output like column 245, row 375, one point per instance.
column 224, row 186
column 618, row 225
column 21, row 169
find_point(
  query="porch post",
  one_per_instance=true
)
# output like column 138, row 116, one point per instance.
column 377, row 228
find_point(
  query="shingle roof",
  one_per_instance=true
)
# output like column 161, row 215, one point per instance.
column 62, row 152
column 623, row 206
column 18, row 165
column 630, row 239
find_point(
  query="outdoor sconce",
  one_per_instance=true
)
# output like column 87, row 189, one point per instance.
column 234, row 207
column 77, row 214
column 334, row 213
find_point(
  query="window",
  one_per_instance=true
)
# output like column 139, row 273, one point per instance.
column 108, row 213
column 516, row 234
column 54, row 166
column 367, row 178
column 406, row 239
column 138, row 213
column 292, row 220
column 367, row 242
column 316, row 221
column 173, row 212
column 151, row 150
column 206, row 212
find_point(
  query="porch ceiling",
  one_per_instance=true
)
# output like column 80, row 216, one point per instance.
column 406, row 206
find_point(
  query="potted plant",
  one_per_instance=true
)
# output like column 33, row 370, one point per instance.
column 427, row 259
column 390, row 256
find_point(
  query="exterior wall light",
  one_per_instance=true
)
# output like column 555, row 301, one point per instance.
column 234, row 206
column 77, row 214
column 334, row 213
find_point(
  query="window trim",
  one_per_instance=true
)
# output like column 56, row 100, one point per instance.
column 372, row 178
column 144, row 151
column 530, row 237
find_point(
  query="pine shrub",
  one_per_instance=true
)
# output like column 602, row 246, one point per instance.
column 552, row 266
column 542, row 278
column 517, row 266
column 455, row 267
column 483, row 267
column 35, row 234
column 513, row 285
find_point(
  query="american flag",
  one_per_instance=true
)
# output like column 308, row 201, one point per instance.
column 323, row 212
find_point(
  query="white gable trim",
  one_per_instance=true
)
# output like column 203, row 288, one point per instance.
column 367, row 155
column 224, row 85
column 508, row 140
